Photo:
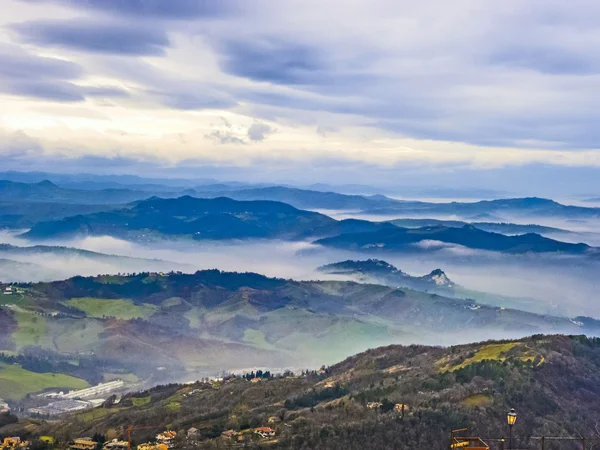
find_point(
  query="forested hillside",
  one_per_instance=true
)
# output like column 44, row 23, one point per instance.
column 552, row 381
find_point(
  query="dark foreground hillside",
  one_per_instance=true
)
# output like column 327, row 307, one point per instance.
column 552, row 381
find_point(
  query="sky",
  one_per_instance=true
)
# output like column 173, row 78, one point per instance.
column 479, row 93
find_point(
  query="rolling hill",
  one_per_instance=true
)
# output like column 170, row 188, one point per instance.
column 467, row 236
column 212, row 320
column 502, row 228
column 437, row 282
column 47, row 263
column 220, row 218
column 46, row 191
column 503, row 208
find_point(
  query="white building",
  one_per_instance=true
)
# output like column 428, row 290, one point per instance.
column 95, row 391
column 4, row 406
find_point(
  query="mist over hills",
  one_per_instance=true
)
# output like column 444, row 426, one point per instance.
column 47, row 263
column 514, row 207
column 220, row 218
column 224, row 218
column 381, row 272
column 467, row 236
column 212, row 320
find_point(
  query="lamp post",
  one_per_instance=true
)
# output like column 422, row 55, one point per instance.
column 511, row 418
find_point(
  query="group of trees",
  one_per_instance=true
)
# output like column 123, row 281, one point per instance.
column 258, row 374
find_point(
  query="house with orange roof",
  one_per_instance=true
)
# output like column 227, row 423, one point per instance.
column 265, row 431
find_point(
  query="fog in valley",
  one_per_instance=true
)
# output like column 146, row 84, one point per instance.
column 564, row 285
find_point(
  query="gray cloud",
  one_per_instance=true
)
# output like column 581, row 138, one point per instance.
column 132, row 38
column 209, row 99
column 27, row 75
column 18, row 64
column 176, row 9
column 224, row 137
column 516, row 74
column 258, row 131
column 272, row 60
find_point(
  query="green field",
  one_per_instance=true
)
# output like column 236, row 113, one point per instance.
column 31, row 330
column 256, row 338
column 486, row 352
column 16, row 382
column 105, row 307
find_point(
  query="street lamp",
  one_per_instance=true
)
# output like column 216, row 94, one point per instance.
column 511, row 418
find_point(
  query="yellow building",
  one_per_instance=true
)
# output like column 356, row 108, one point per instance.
column 149, row 446
column 14, row 443
column 83, row 444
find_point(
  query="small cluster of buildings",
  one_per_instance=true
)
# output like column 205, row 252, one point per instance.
column 400, row 408
column 89, row 444
column 240, row 436
column 115, row 444
column 99, row 389
column 167, row 438
column 76, row 400
column 14, row 443
column 64, row 407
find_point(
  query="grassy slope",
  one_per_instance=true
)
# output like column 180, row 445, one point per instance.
column 32, row 330
column 120, row 308
column 16, row 382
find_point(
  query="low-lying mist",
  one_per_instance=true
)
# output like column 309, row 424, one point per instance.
column 569, row 283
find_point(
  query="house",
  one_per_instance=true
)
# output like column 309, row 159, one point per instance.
column 14, row 443
column 265, row 432
column 83, row 444
column 116, row 445
column 255, row 380
column 400, row 408
column 192, row 433
column 8, row 290
column 374, row 405
column 149, row 446
column 4, row 406
column 229, row 434
column 167, row 438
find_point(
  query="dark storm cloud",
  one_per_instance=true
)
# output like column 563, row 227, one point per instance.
column 93, row 36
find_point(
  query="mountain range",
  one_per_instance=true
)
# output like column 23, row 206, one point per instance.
column 89, row 192
column 224, row 218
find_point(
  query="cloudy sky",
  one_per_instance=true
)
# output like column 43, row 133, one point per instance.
column 466, row 91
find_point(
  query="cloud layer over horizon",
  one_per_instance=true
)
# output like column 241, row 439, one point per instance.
column 468, row 87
